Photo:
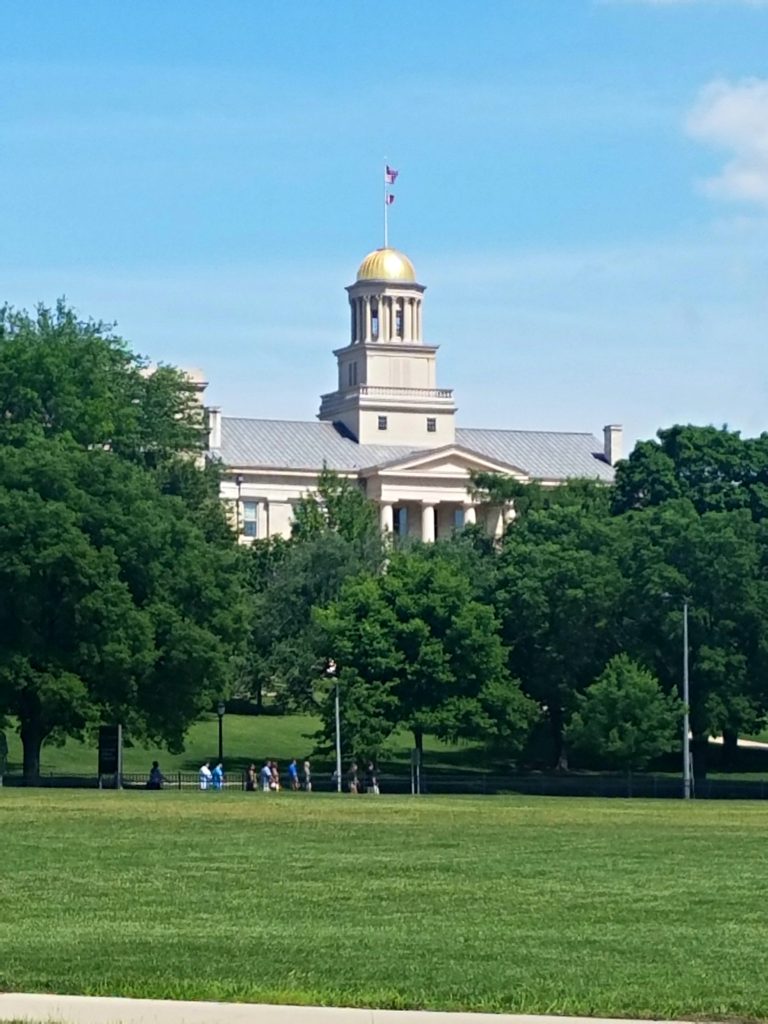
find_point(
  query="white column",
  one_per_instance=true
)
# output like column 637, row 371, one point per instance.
column 496, row 522
column 470, row 515
column 408, row 318
column 510, row 512
column 427, row 523
column 387, row 518
column 418, row 319
column 366, row 318
column 262, row 525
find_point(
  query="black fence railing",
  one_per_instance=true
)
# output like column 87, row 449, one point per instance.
column 653, row 786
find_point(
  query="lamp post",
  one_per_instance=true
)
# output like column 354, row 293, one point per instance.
column 220, row 709
column 686, row 712
column 331, row 672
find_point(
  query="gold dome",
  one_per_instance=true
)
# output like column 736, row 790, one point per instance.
column 386, row 265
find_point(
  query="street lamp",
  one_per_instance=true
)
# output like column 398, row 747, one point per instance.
column 331, row 672
column 220, row 709
column 686, row 712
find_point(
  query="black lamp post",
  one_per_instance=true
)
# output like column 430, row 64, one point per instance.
column 220, row 709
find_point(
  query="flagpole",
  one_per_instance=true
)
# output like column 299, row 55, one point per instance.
column 386, row 211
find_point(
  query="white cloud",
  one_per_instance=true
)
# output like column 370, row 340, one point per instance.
column 734, row 117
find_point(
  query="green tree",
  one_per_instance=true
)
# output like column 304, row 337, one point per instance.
column 624, row 719
column 120, row 598
column 416, row 650
column 557, row 593
column 715, row 469
column 335, row 536
column 718, row 561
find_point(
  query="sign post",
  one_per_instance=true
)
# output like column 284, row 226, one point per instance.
column 111, row 753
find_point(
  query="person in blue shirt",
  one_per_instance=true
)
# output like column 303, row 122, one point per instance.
column 218, row 776
column 293, row 775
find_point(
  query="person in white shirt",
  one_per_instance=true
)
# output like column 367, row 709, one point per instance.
column 205, row 775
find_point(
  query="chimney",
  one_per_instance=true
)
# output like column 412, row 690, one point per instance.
column 214, row 427
column 612, row 435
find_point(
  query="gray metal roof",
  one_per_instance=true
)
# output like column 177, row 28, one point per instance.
column 297, row 444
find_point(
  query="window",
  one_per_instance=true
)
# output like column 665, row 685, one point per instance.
column 458, row 519
column 352, row 374
column 399, row 319
column 374, row 321
column 382, row 422
column 250, row 518
column 431, row 425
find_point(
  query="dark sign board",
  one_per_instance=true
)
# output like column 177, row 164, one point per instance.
column 110, row 749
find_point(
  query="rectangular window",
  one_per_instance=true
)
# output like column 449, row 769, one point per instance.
column 399, row 320
column 458, row 519
column 431, row 425
column 382, row 422
column 250, row 518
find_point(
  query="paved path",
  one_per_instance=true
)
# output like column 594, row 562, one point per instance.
column 98, row 1010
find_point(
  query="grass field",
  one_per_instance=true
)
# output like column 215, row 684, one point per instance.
column 561, row 906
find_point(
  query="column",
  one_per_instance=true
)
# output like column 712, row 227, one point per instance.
column 418, row 320
column 470, row 514
column 510, row 512
column 367, row 319
column 387, row 518
column 408, row 319
column 384, row 317
column 427, row 523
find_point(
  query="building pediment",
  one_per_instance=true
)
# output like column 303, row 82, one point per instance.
column 449, row 461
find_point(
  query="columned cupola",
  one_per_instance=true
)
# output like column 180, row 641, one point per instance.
column 387, row 391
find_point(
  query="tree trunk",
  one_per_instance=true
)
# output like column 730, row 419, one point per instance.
column 259, row 697
column 558, row 743
column 32, row 742
column 700, row 751
column 418, row 741
column 730, row 748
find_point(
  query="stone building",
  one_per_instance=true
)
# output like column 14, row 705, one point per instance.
column 392, row 429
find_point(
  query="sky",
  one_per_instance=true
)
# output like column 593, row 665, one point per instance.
column 583, row 189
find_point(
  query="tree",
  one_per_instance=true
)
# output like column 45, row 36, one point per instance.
column 416, row 650
column 715, row 469
column 335, row 536
column 557, row 589
column 119, row 593
column 624, row 718
column 717, row 561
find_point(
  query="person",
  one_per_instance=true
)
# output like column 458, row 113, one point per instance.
column 371, row 779
column 250, row 778
column 293, row 775
column 275, row 783
column 205, row 775
column 354, row 782
column 218, row 776
column 156, row 778
column 265, row 775
column 307, row 776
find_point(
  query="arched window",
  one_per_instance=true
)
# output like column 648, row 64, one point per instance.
column 374, row 320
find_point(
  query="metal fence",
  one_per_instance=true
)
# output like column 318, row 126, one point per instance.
column 659, row 786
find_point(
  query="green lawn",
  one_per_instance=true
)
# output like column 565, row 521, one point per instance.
column 246, row 738
column 636, row 908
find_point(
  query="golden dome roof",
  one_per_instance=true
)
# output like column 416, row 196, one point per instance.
column 386, row 265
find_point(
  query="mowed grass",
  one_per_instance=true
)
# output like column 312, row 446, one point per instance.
column 650, row 909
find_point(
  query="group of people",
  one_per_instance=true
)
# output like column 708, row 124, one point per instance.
column 211, row 779
column 267, row 778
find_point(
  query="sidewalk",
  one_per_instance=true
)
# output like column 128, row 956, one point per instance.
column 101, row 1010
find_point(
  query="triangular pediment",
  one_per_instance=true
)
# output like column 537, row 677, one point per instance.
column 449, row 461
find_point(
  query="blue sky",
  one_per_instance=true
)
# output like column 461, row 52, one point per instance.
column 583, row 189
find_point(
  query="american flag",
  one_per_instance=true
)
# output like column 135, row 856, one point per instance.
column 390, row 199
column 390, row 175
